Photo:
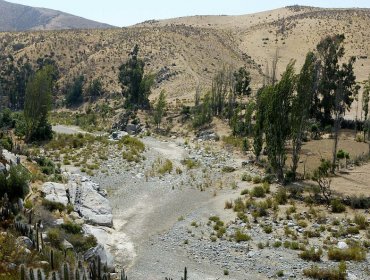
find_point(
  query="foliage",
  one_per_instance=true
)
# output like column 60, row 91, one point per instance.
column 203, row 114
column 95, row 89
column 311, row 254
column 320, row 175
column 277, row 123
column 135, row 86
column 74, row 95
column 350, row 254
column 326, row 273
column 37, row 105
column 301, row 106
column 14, row 183
column 159, row 109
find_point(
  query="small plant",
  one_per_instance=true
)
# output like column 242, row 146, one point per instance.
column 228, row 169
column 350, row 254
column 281, row 196
column 280, row 273
column 246, row 177
column 337, row 206
column 311, row 254
column 267, row 229
column 361, row 221
column 244, row 192
column 241, row 237
column 277, row 244
column 257, row 180
column 226, row 272
column 258, row 191
column 228, row 204
column 327, row 273
column 166, row 167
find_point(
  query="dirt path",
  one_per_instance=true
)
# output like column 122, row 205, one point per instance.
column 146, row 210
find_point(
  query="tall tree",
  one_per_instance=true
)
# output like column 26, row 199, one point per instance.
column 301, row 106
column 365, row 101
column 277, row 123
column 261, row 108
column 159, row 109
column 136, row 86
column 37, row 105
column 75, row 92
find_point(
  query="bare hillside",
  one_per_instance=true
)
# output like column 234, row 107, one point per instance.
column 15, row 17
column 186, row 52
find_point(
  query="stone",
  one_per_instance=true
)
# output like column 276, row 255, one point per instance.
column 10, row 158
column 55, row 192
column 342, row 245
column 99, row 250
column 24, row 241
column 67, row 245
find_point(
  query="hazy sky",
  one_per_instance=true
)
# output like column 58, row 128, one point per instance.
column 128, row 12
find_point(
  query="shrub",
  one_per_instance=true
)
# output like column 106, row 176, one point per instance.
column 246, row 177
column 167, row 167
column 243, row 217
column 349, row 254
column 82, row 243
column 190, row 163
column 258, row 191
column 281, row 196
column 337, row 206
column 51, row 205
column 228, row 204
column 359, row 202
column 241, row 237
column 55, row 237
column 311, row 254
column 267, row 229
column 244, row 192
column 257, row 180
column 228, row 169
column 277, row 244
column 239, row 205
column 327, row 273
column 70, row 227
column 14, row 183
column 361, row 221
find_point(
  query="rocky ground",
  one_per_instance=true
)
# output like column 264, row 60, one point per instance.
column 161, row 221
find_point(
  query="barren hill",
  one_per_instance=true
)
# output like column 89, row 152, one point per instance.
column 186, row 52
column 15, row 17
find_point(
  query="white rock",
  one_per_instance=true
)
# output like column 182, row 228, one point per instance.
column 55, row 192
column 342, row 245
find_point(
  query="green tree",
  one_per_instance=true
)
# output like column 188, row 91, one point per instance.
column 75, row 92
column 301, row 106
column 277, row 123
column 365, row 101
column 136, row 86
column 37, row 105
column 261, row 107
column 95, row 89
column 332, row 75
column 159, row 109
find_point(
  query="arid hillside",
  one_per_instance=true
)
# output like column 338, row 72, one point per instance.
column 186, row 52
column 15, row 17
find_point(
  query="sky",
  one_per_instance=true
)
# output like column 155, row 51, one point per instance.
column 128, row 12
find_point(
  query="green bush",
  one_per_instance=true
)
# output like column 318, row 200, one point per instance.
column 281, row 196
column 70, row 227
column 349, row 254
column 337, row 206
column 257, row 180
column 241, row 237
column 14, row 183
column 55, row 237
column 51, row 205
column 246, row 177
column 311, row 254
column 361, row 221
column 258, row 191
column 327, row 273
column 166, row 167
column 228, row 169
column 190, row 163
column 82, row 243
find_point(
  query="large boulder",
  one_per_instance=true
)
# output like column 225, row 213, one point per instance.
column 105, row 257
column 55, row 192
column 24, row 241
column 89, row 202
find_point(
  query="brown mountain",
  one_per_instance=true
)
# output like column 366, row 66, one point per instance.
column 187, row 52
column 15, row 17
